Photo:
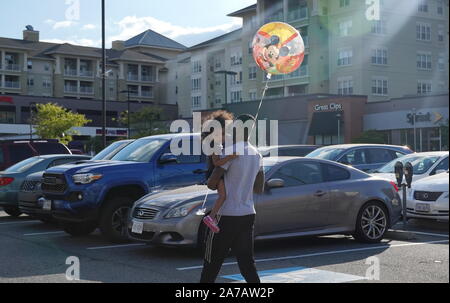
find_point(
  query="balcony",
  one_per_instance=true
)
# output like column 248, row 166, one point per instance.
column 132, row 77
column 86, row 90
column 12, row 67
column 70, row 72
column 298, row 14
column 12, row 84
column 86, row 73
column 146, row 93
column 70, row 89
column 147, row 78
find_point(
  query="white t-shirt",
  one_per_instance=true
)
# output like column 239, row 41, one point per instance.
column 239, row 179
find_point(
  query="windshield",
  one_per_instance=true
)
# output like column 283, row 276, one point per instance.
column 421, row 164
column 24, row 165
column 326, row 153
column 140, row 151
column 110, row 151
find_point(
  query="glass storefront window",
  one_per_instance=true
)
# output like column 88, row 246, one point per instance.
column 7, row 117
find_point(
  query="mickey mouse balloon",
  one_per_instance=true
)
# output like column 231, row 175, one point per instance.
column 278, row 48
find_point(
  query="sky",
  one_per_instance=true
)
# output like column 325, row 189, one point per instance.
column 79, row 21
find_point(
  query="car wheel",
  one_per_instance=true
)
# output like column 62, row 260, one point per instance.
column 114, row 219
column 79, row 229
column 372, row 223
column 12, row 211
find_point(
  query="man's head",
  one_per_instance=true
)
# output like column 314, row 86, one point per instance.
column 246, row 120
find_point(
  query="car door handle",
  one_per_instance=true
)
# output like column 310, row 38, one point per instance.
column 320, row 193
column 199, row 171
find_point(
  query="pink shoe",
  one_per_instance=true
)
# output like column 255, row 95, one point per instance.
column 211, row 223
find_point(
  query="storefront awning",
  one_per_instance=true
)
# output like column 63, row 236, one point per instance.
column 325, row 123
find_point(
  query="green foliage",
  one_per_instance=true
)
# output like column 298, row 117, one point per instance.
column 371, row 137
column 146, row 122
column 55, row 122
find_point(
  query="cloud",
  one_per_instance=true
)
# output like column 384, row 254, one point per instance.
column 60, row 24
column 131, row 26
column 89, row 27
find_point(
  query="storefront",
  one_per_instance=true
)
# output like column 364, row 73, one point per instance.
column 335, row 120
column 417, row 122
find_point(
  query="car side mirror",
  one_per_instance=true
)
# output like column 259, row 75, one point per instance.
column 275, row 183
column 168, row 158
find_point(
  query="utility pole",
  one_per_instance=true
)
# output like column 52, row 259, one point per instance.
column 103, row 76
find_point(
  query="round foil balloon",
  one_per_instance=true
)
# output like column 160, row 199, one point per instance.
column 278, row 48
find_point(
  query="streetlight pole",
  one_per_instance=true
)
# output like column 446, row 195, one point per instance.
column 31, row 119
column 128, row 110
column 414, row 128
column 339, row 127
column 103, row 76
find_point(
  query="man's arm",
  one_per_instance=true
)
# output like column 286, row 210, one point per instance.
column 258, row 187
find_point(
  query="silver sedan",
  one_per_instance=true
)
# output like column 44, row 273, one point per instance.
column 302, row 197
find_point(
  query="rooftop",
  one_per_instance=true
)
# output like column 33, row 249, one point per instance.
column 151, row 38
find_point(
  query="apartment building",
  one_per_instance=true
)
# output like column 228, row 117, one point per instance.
column 383, row 49
column 49, row 72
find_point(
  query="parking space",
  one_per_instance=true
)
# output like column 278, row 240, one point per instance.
column 36, row 252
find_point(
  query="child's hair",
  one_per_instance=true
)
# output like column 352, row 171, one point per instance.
column 221, row 116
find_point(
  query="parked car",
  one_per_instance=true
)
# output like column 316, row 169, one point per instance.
column 288, row 150
column 428, row 198
column 424, row 165
column 302, row 197
column 12, row 152
column 31, row 201
column 365, row 157
column 100, row 194
column 12, row 178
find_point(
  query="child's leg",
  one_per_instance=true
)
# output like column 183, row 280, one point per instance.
column 222, row 195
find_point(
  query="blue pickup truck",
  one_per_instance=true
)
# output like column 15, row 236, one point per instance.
column 84, row 197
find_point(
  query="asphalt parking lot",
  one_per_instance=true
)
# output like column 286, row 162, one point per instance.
column 35, row 252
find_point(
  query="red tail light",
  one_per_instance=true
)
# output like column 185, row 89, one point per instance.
column 395, row 186
column 5, row 181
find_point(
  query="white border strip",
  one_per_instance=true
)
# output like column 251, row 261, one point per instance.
column 420, row 233
column 116, row 246
column 20, row 222
column 324, row 253
column 45, row 233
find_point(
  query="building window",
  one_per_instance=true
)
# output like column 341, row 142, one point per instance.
column 196, row 101
column 236, row 59
column 379, row 56
column 423, row 6
column 345, row 57
column 30, row 82
column 379, row 87
column 424, row 87
column 423, row 31
column 440, row 33
column 441, row 63
column 196, row 84
column 250, row 47
column 252, row 73
column 30, row 65
column 345, row 86
column 7, row 116
column 196, row 67
column 440, row 7
column 46, row 83
column 379, row 27
column 344, row 3
column 252, row 95
column 345, row 28
column 297, row 10
column 236, row 79
column 236, row 97
column 424, row 61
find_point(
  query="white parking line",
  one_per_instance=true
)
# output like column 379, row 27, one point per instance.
column 20, row 222
column 46, row 233
column 324, row 253
column 421, row 233
column 115, row 246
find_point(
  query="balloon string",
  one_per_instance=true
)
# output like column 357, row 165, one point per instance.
column 202, row 210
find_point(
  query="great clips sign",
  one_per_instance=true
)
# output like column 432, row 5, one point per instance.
column 6, row 99
column 328, row 107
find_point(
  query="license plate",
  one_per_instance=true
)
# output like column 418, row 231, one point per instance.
column 138, row 228
column 421, row 207
column 47, row 205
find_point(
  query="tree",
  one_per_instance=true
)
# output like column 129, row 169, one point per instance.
column 146, row 122
column 370, row 136
column 55, row 122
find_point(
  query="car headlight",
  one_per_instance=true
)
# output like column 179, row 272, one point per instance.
column 182, row 211
column 86, row 178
